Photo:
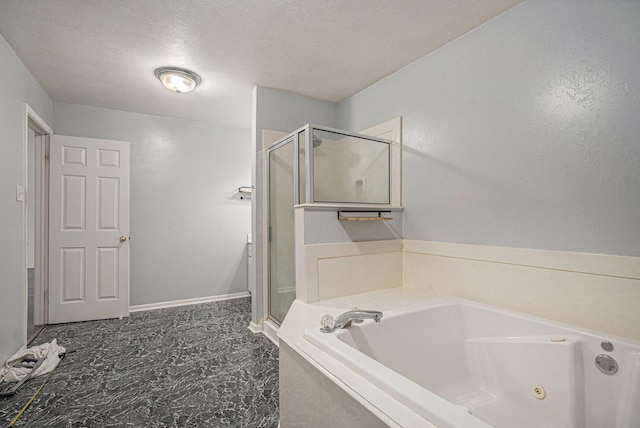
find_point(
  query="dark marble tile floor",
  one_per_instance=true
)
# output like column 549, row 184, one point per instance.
column 190, row 366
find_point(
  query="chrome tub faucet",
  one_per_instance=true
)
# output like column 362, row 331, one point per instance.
column 346, row 319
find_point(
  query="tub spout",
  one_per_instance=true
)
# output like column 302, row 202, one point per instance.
column 357, row 316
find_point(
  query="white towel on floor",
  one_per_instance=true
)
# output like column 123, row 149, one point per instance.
column 50, row 351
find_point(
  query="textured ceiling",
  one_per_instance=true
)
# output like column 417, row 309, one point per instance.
column 102, row 53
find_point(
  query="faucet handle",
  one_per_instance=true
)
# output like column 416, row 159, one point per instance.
column 327, row 324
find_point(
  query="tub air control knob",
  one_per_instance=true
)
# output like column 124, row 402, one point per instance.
column 606, row 364
column 539, row 392
column 327, row 324
column 607, row 346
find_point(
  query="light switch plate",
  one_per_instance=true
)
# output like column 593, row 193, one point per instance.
column 19, row 193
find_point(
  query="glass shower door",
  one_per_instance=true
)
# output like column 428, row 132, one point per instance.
column 281, row 229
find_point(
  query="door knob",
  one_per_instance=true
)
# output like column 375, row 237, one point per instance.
column 123, row 238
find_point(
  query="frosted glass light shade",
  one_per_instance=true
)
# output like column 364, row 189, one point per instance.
column 177, row 79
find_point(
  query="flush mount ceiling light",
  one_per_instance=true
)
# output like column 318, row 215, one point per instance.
column 177, row 79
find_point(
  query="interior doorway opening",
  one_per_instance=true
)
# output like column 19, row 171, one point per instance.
column 36, row 219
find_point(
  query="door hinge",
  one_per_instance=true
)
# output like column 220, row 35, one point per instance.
column 47, row 155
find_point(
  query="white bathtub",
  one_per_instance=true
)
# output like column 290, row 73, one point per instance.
column 462, row 364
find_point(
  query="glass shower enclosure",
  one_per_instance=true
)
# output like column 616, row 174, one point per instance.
column 316, row 165
column 280, row 230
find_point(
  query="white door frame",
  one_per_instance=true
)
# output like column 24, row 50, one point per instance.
column 34, row 121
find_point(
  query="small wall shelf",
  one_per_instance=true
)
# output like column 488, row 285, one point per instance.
column 342, row 217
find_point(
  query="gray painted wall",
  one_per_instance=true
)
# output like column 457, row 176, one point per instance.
column 284, row 111
column 323, row 227
column 524, row 132
column 188, row 225
column 279, row 111
column 17, row 86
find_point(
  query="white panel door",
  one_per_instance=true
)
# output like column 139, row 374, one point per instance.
column 88, row 229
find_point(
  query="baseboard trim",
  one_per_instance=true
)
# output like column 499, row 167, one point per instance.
column 185, row 302
column 270, row 329
column 255, row 328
